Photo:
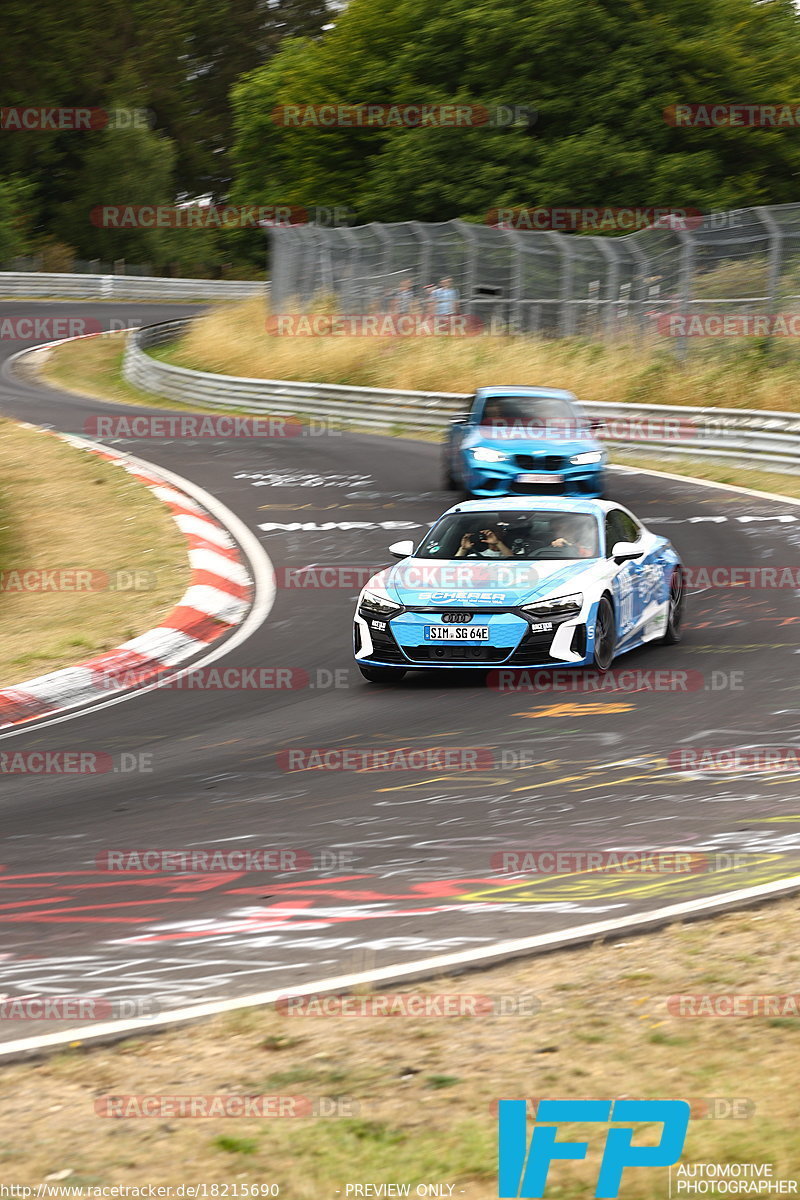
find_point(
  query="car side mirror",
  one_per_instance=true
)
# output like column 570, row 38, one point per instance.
column 461, row 419
column 625, row 552
column 401, row 549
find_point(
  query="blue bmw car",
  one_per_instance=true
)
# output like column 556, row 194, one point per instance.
column 524, row 441
column 529, row 583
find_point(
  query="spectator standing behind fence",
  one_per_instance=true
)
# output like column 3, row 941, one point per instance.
column 444, row 298
column 404, row 298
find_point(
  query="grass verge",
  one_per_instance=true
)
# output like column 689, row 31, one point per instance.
column 414, row 1097
column 62, row 510
column 720, row 373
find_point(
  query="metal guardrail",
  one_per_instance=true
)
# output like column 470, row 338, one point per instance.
column 743, row 436
column 124, row 287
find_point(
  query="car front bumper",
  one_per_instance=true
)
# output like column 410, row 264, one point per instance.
column 486, row 480
column 513, row 641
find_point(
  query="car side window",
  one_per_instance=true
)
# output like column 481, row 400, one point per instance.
column 620, row 527
column 631, row 530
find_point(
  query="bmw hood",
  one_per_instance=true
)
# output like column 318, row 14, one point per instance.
column 504, row 583
column 510, row 445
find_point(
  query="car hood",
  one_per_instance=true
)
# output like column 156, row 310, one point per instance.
column 501, row 583
column 530, row 445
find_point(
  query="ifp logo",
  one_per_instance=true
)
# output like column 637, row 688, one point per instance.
column 522, row 1171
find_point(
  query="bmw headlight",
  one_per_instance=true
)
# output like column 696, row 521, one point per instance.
column 378, row 603
column 485, row 454
column 583, row 460
column 559, row 606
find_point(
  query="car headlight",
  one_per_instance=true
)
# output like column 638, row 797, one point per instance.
column 378, row 603
column 583, row 460
column 559, row 606
column 487, row 455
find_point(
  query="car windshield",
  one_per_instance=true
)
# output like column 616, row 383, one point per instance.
column 523, row 535
column 536, row 412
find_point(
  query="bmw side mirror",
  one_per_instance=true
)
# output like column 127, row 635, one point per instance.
column 401, row 549
column 625, row 552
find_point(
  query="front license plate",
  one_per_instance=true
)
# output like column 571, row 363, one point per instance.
column 540, row 478
column 456, row 633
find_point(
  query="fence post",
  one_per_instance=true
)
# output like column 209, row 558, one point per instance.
column 775, row 257
column 611, row 255
column 515, row 306
column 685, row 285
column 567, row 315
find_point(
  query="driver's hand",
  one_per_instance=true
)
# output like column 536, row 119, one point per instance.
column 466, row 542
column 490, row 537
column 560, row 542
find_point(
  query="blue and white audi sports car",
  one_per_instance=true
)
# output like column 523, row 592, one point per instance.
column 524, row 441
column 529, row 583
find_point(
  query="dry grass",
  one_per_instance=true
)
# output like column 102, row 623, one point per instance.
column 94, row 368
column 234, row 341
column 417, row 1094
column 732, row 474
column 63, row 508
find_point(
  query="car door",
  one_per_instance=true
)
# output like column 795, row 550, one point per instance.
column 628, row 594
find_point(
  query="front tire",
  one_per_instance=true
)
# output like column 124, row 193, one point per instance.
column 605, row 635
column 382, row 674
column 677, row 596
column 449, row 480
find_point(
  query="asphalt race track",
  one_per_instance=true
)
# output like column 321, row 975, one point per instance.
column 396, row 865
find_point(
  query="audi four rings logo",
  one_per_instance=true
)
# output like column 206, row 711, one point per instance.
column 456, row 618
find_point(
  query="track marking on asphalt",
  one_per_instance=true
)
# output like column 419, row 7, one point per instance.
column 605, row 885
column 567, row 710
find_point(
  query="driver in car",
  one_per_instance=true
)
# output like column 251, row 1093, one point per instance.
column 571, row 535
column 483, row 543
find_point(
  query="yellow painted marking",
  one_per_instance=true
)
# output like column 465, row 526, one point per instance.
column 533, row 787
column 569, row 710
column 401, row 787
column 603, row 885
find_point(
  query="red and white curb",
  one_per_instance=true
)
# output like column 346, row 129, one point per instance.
column 219, row 598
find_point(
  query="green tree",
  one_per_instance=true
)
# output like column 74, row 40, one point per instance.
column 16, row 199
column 600, row 75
